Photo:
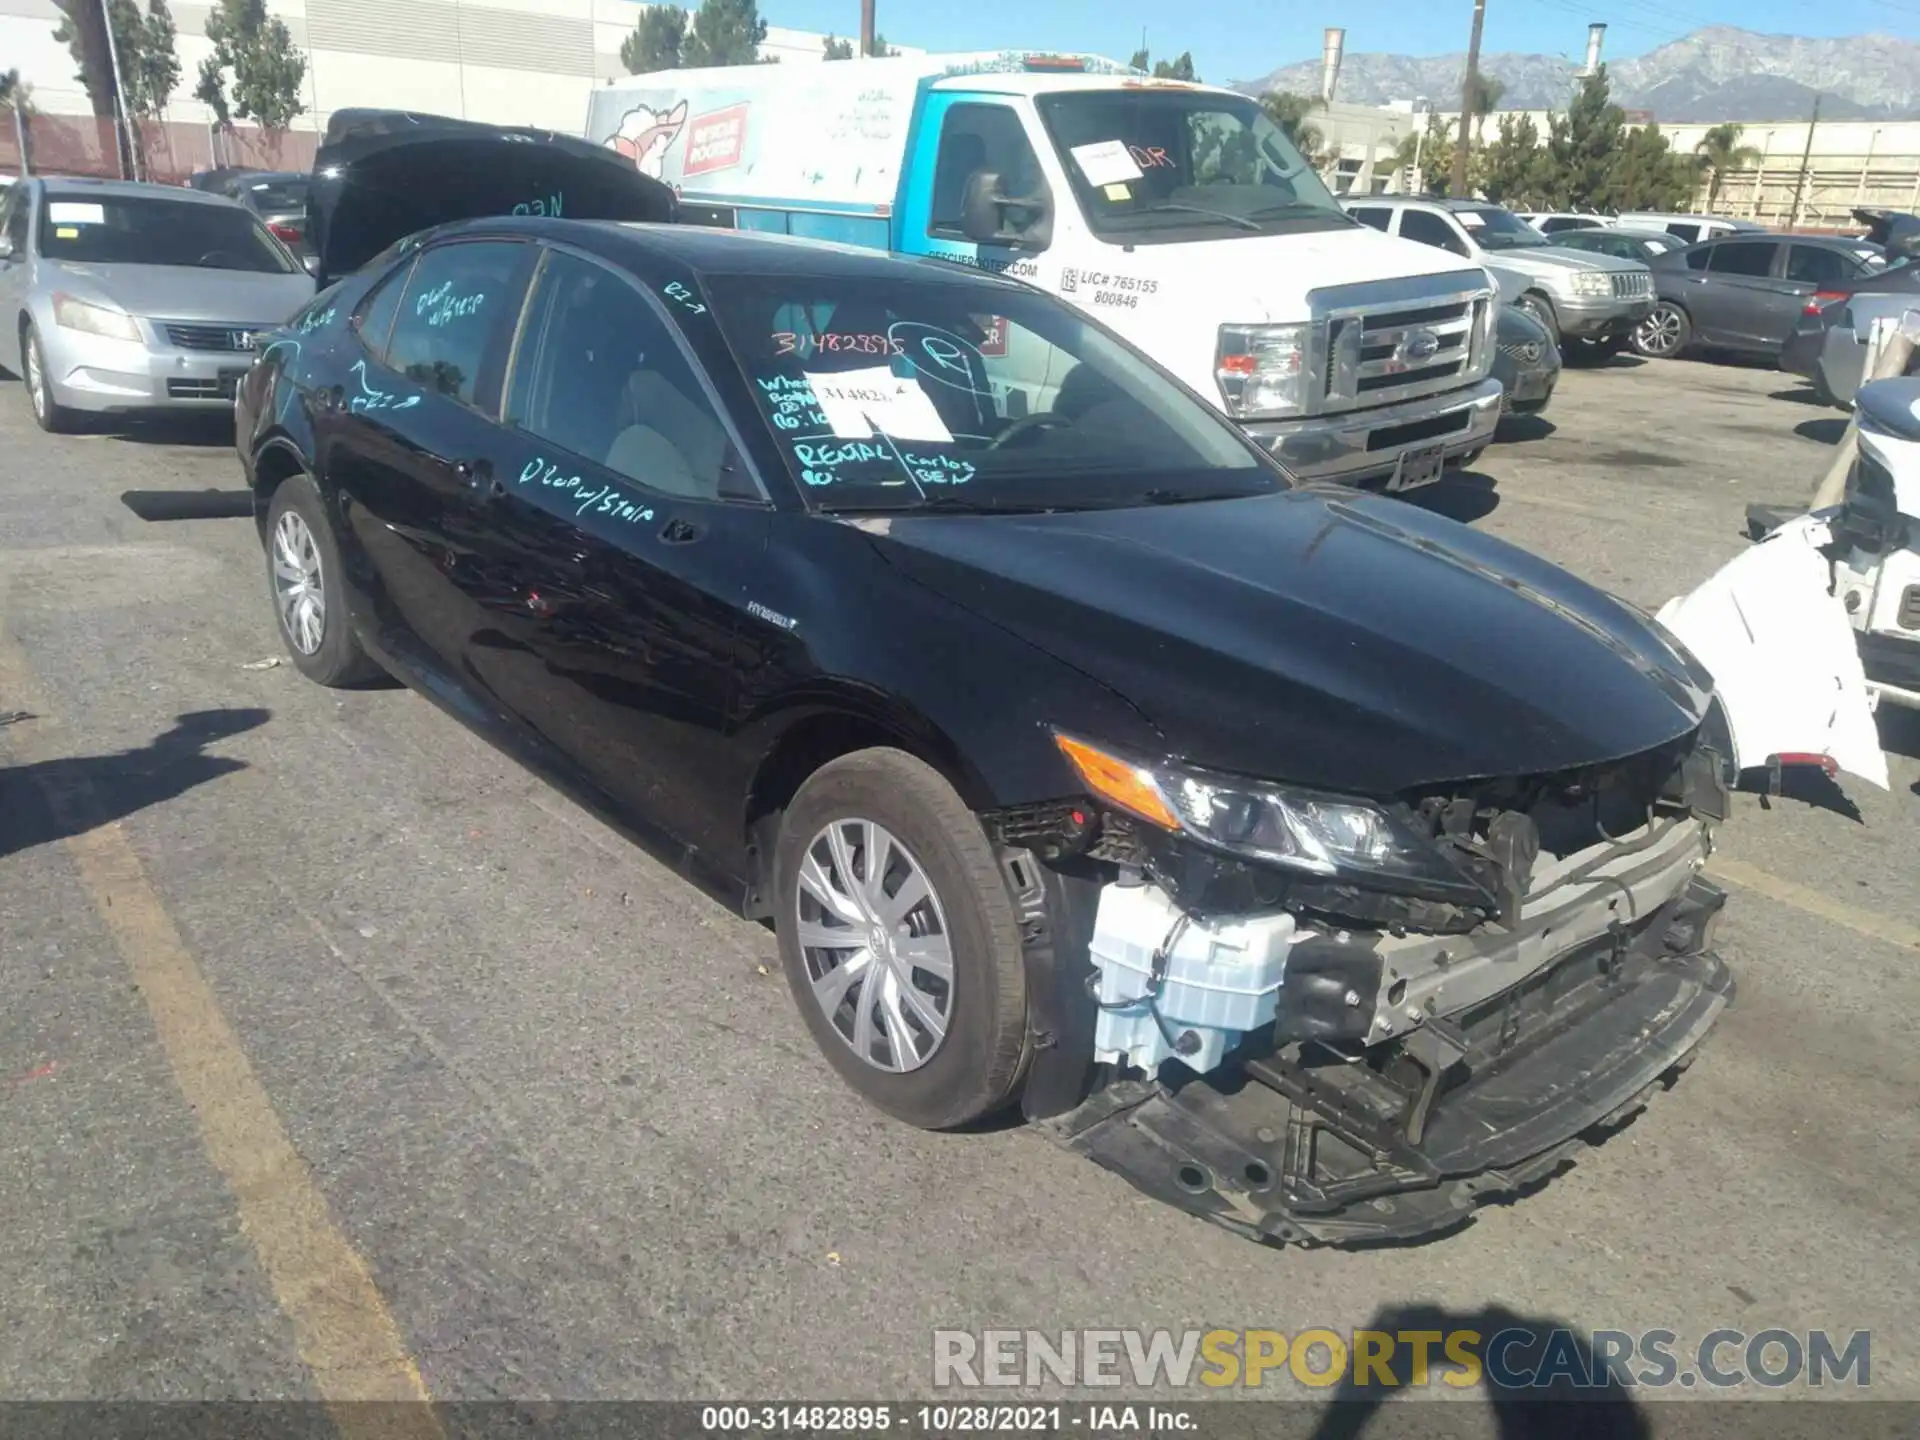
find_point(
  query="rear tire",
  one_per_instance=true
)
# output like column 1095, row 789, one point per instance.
column 303, row 580
column 883, row 803
column 48, row 413
column 1665, row 332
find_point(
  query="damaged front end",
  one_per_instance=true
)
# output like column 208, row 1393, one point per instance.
column 1324, row 1020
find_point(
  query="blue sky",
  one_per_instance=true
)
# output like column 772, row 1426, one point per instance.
column 1237, row 41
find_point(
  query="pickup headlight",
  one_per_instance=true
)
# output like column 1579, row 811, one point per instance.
column 1262, row 369
column 1332, row 836
column 1592, row 283
column 72, row 314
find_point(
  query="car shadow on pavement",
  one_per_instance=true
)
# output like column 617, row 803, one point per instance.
column 1463, row 495
column 1541, row 1377
column 1824, row 431
column 1523, row 429
column 50, row 800
column 200, row 429
column 160, row 505
column 1801, row 395
column 1582, row 359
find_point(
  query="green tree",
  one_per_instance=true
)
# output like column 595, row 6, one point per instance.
column 724, row 32
column 1515, row 169
column 1583, row 143
column 149, row 68
column 1486, row 93
column 1720, row 152
column 1436, row 160
column 1647, row 175
column 266, row 69
column 657, row 40
column 1289, row 112
column 843, row 49
column 15, row 93
column 1139, row 60
column 1180, row 69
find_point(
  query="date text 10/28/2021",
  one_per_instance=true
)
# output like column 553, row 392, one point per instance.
column 1092, row 1420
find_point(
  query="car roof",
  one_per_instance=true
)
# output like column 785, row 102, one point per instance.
column 80, row 187
column 710, row 250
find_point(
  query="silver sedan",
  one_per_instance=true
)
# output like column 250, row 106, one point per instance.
column 126, row 297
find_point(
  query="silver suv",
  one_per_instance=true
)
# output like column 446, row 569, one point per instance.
column 1594, row 300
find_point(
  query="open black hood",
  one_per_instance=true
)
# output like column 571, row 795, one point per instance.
column 380, row 175
column 1346, row 642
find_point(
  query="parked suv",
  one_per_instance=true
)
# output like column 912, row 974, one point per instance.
column 1595, row 300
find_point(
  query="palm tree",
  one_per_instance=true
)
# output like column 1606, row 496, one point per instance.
column 1719, row 152
column 1289, row 112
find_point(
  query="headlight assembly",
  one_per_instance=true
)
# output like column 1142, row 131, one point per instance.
column 1338, row 837
column 72, row 314
column 1263, row 369
column 1592, row 282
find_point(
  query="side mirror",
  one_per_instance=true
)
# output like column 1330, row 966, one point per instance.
column 311, row 263
column 983, row 214
column 6, row 249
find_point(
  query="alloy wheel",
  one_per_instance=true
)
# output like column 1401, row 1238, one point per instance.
column 36, row 378
column 1659, row 333
column 875, row 941
column 299, row 589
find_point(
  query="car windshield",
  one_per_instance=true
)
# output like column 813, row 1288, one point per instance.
column 282, row 192
column 1152, row 165
column 1497, row 229
column 152, row 230
column 944, row 393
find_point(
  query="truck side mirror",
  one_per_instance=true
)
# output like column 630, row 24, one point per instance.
column 983, row 214
column 6, row 248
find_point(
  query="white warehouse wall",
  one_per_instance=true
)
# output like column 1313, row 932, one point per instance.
column 526, row 62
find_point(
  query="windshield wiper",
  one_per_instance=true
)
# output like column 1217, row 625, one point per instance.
column 1170, row 205
column 906, row 502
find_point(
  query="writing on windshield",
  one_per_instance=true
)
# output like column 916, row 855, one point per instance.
column 896, row 393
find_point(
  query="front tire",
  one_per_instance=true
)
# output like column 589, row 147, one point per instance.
column 1664, row 333
column 900, row 940
column 303, row 577
column 1540, row 309
column 48, row 413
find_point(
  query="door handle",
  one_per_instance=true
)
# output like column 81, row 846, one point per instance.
column 680, row 532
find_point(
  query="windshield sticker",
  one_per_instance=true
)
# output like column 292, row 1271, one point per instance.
column 442, row 304
column 996, row 329
column 548, row 205
column 1472, row 219
column 1119, row 194
column 71, row 212
column 371, row 399
column 834, row 343
column 683, row 297
column 582, row 495
column 67, row 232
column 862, row 403
column 1106, row 163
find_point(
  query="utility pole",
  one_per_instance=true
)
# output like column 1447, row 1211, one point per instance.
column 119, row 96
column 866, row 28
column 1468, row 87
column 1806, row 158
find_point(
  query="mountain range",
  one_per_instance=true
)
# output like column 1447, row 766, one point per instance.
column 1718, row 73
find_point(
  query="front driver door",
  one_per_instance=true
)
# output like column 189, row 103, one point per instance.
column 622, row 531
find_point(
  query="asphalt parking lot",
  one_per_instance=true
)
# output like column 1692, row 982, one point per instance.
column 348, row 1061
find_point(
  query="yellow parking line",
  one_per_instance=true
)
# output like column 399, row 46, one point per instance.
column 1861, row 922
column 342, row 1327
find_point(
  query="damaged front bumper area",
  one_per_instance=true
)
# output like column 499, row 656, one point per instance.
column 1378, row 1084
column 1313, row 1146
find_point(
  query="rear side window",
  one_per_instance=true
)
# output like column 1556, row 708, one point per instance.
column 1430, row 229
column 458, row 299
column 1812, row 265
column 1681, row 230
column 1751, row 259
column 1567, row 222
column 375, row 318
column 1373, row 215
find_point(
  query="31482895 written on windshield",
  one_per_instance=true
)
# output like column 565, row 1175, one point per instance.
column 908, row 392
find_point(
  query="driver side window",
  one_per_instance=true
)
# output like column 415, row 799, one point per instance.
column 990, row 139
column 1430, row 229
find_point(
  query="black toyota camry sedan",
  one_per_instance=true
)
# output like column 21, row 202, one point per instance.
column 1079, row 758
